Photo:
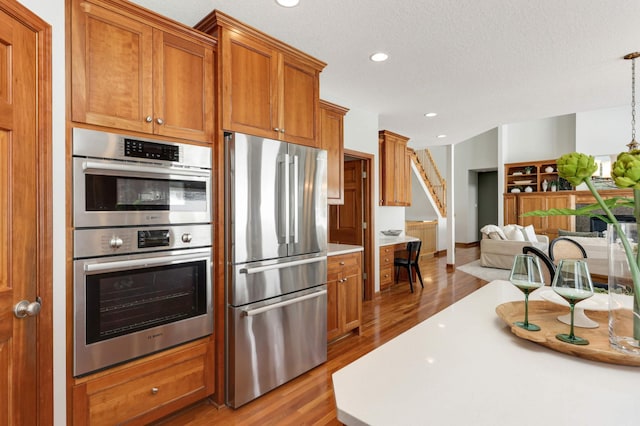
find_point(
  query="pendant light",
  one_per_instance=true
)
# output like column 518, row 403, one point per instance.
column 633, row 144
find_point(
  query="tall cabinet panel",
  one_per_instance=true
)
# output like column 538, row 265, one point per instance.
column 395, row 169
column 153, row 76
column 332, row 139
column 268, row 88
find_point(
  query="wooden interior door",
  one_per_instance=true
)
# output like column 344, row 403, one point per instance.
column 25, row 226
column 346, row 221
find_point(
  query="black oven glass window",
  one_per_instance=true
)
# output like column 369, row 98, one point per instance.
column 119, row 303
column 117, row 193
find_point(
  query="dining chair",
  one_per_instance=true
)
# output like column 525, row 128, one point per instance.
column 566, row 248
column 410, row 262
column 551, row 268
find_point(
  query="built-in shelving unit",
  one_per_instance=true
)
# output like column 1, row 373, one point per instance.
column 534, row 176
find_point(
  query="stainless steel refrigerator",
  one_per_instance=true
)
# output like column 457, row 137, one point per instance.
column 276, row 264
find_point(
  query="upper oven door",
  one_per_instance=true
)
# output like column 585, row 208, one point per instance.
column 120, row 193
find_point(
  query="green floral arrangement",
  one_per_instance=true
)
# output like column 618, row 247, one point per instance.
column 578, row 168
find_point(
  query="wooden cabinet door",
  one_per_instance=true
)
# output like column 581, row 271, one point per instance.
column 249, row 85
column 510, row 210
column 351, row 301
column 332, row 139
column 399, row 173
column 554, row 223
column 387, row 165
column 529, row 203
column 183, row 88
column 333, row 317
column 299, row 103
column 111, row 69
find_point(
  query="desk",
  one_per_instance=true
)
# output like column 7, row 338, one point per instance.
column 388, row 248
column 464, row 367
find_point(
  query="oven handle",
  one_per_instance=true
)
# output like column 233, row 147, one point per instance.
column 258, row 269
column 257, row 311
column 92, row 165
column 137, row 263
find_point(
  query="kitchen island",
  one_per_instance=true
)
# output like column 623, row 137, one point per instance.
column 464, row 366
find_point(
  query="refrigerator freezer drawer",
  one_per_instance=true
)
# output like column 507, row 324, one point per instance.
column 263, row 280
column 270, row 344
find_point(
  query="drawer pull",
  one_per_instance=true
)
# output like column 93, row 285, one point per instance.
column 154, row 391
column 342, row 263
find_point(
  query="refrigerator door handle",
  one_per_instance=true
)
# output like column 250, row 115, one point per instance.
column 259, row 269
column 283, row 230
column 295, row 195
column 257, row 311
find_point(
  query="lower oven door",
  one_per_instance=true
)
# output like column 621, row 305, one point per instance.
column 129, row 306
column 271, row 342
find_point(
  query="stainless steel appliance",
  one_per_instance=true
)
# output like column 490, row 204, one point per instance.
column 142, row 247
column 126, row 181
column 138, row 290
column 276, row 215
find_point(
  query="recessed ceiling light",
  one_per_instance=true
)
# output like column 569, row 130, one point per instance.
column 431, row 114
column 441, row 136
column 288, row 3
column 379, row 57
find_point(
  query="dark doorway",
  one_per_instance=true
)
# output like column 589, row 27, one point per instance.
column 487, row 199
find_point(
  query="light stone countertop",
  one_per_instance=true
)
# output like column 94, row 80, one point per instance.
column 463, row 366
column 336, row 249
column 388, row 241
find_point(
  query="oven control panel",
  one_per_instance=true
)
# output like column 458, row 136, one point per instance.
column 114, row 241
column 152, row 150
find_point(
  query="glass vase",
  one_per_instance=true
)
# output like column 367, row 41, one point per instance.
column 624, row 317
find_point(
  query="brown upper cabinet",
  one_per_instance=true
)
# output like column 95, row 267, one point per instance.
column 134, row 70
column 395, row 169
column 332, row 139
column 267, row 88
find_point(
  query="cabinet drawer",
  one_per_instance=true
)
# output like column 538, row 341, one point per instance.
column 386, row 276
column 135, row 393
column 386, row 257
column 346, row 264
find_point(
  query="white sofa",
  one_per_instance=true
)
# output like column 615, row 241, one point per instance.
column 497, row 250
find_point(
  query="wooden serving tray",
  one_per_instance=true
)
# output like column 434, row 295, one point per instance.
column 545, row 315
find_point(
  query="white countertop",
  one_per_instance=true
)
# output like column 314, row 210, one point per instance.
column 463, row 366
column 334, row 249
column 387, row 241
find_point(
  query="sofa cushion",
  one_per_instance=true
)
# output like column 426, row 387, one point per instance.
column 529, row 234
column 513, row 233
column 564, row 233
column 494, row 232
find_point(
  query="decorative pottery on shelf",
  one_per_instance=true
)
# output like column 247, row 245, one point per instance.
column 545, row 185
column 624, row 312
column 528, row 189
column 548, row 169
column 554, row 186
column 515, row 190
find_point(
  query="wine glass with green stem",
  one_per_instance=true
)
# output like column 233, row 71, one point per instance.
column 527, row 276
column 572, row 282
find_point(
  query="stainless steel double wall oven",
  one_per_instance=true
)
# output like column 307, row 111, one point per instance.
column 142, row 247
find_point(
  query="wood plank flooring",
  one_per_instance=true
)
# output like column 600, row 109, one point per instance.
column 308, row 399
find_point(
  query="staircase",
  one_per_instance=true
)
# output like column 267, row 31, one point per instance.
column 431, row 178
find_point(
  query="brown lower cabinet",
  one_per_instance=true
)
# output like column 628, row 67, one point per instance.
column 344, row 294
column 146, row 389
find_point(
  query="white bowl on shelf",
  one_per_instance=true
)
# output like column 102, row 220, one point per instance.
column 549, row 169
column 515, row 190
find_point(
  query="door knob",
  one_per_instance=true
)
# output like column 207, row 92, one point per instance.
column 148, row 119
column 160, row 121
column 24, row 309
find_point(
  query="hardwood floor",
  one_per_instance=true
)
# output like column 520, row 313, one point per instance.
column 309, row 399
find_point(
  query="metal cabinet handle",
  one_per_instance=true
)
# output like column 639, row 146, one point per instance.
column 342, row 263
column 154, row 391
column 148, row 119
column 281, row 130
column 276, row 129
column 160, row 121
column 24, row 309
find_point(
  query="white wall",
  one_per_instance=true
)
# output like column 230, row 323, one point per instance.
column 479, row 153
column 540, row 139
column 603, row 132
column 52, row 11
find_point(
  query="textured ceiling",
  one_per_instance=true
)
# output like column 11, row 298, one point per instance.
column 478, row 64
